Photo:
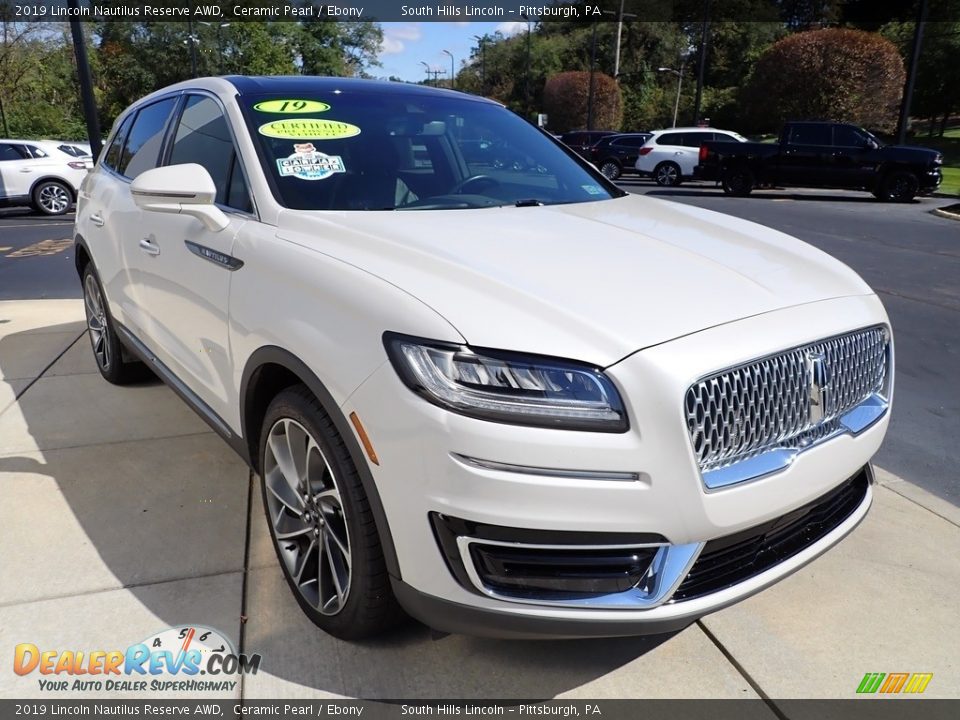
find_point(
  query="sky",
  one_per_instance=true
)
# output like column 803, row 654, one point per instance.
column 407, row 44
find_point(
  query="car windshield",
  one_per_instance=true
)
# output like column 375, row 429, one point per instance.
column 364, row 150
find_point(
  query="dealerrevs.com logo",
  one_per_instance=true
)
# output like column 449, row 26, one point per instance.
column 180, row 659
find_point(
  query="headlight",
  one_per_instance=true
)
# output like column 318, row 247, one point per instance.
column 508, row 387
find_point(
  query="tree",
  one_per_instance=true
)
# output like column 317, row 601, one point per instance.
column 832, row 74
column 565, row 101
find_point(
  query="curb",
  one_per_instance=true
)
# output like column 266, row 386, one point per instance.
column 951, row 212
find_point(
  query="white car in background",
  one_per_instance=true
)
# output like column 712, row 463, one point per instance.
column 508, row 401
column 39, row 174
column 670, row 155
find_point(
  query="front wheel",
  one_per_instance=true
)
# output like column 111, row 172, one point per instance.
column 899, row 186
column 738, row 181
column 667, row 174
column 320, row 520
column 51, row 197
column 610, row 170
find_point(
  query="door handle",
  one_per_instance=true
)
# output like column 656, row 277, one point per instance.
column 96, row 220
column 26, row 170
column 149, row 247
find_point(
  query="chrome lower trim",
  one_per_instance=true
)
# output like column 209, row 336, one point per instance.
column 667, row 570
column 773, row 461
column 546, row 472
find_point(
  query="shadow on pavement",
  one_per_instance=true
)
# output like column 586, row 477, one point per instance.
column 130, row 489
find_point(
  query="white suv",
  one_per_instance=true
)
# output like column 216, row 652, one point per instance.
column 670, row 155
column 39, row 174
column 509, row 402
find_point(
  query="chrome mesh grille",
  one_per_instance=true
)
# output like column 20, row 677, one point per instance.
column 765, row 404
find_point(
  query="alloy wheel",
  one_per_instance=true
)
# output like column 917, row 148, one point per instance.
column 610, row 171
column 97, row 325
column 667, row 175
column 53, row 199
column 308, row 516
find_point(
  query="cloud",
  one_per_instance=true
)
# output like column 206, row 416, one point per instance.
column 511, row 28
column 395, row 38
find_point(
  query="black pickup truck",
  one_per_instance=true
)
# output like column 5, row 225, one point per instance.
column 823, row 155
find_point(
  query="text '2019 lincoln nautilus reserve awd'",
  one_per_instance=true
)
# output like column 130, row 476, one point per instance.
column 505, row 398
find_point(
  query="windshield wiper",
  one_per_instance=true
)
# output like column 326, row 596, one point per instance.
column 530, row 202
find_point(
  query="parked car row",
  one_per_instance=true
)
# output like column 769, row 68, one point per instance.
column 807, row 154
column 44, row 174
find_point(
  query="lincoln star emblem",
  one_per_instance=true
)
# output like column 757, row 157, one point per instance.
column 818, row 372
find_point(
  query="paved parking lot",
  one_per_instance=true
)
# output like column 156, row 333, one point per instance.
column 126, row 515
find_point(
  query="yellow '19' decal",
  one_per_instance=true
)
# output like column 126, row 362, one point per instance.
column 308, row 129
column 291, row 107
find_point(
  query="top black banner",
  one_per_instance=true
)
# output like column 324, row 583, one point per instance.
column 794, row 12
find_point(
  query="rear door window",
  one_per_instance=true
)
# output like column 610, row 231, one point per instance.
column 810, row 135
column 670, row 139
column 112, row 157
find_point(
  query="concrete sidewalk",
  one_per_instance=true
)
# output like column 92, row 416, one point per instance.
column 123, row 515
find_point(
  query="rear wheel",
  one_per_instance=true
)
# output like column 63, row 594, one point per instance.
column 107, row 350
column 738, row 181
column 320, row 520
column 51, row 197
column 898, row 186
column 667, row 174
column 610, row 170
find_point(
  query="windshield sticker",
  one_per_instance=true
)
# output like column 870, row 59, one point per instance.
column 593, row 189
column 307, row 163
column 291, row 107
column 308, row 129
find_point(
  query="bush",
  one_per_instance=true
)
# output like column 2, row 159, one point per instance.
column 832, row 74
column 565, row 101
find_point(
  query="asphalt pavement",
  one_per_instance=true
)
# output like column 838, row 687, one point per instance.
column 36, row 256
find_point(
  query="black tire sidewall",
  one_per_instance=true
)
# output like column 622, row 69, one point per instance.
column 39, row 208
column 355, row 620
column 887, row 193
column 743, row 187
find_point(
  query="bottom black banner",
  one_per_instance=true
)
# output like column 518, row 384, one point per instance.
column 860, row 709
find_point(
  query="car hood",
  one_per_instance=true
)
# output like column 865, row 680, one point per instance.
column 588, row 281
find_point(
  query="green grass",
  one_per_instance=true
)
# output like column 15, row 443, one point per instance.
column 951, row 181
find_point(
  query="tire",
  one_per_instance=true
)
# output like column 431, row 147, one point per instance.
column 330, row 553
column 610, row 170
column 738, row 181
column 108, row 353
column 898, row 186
column 51, row 197
column 667, row 174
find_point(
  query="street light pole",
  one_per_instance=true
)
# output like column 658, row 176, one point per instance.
column 904, row 119
column 679, row 74
column 453, row 83
column 482, row 41
column 593, row 62
column 616, row 47
column 220, row 27
column 526, row 83
column 86, row 84
column 704, row 39
column 192, row 42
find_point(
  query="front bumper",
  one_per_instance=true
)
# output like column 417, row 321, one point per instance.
column 930, row 180
column 642, row 486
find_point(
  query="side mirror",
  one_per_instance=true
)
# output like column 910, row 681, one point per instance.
column 182, row 190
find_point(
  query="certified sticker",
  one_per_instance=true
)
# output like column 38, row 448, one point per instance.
column 307, row 163
column 593, row 189
column 308, row 129
column 291, row 107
